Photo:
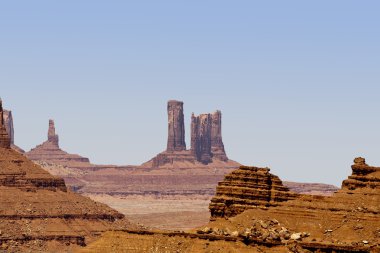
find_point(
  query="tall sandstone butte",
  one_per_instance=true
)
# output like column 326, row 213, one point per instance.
column 176, row 126
column 5, row 140
column 206, row 137
column 201, row 137
column 206, row 141
column 217, row 146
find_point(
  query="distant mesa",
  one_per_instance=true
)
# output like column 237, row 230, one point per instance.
column 50, row 152
column 206, row 141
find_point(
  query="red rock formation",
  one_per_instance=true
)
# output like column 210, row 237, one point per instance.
column 37, row 210
column 245, row 188
column 206, row 141
column 217, row 146
column 201, row 137
column 50, row 152
column 176, row 126
column 52, row 137
column 8, row 121
column 5, row 141
column 363, row 177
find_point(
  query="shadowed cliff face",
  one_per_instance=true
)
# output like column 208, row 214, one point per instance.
column 176, row 126
column 5, row 140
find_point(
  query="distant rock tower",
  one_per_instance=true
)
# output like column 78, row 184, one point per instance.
column 217, row 146
column 8, row 122
column 5, row 141
column 176, row 126
column 52, row 137
column 201, row 137
column 206, row 137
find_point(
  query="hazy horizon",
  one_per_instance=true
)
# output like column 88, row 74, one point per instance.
column 298, row 85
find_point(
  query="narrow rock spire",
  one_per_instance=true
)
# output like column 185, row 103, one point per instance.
column 5, row 141
column 176, row 126
column 52, row 137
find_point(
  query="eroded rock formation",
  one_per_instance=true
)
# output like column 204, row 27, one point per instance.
column 201, row 137
column 8, row 122
column 248, row 187
column 49, row 151
column 5, row 141
column 206, row 140
column 37, row 211
column 217, row 146
column 363, row 177
column 176, row 126
column 269, row 218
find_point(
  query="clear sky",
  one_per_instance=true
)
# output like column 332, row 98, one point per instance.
column 298, row 82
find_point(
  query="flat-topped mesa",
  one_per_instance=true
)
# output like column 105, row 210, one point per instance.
column 364, row 177
column 201, row 137
column 246, row 188
column 217, row 146
column 5, row 140
column 176, row 126
column 52, row 137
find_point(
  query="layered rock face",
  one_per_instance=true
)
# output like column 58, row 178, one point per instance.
column 347, row 221
column 176, row 126
column 50, row 152
column 37, row 211
column 5, row 141
column 364, row 177
column 248, row 187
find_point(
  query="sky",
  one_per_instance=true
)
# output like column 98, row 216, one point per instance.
column 298, row 82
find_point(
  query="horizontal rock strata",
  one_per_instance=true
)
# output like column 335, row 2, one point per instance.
column 245, row 188
column 35, row 205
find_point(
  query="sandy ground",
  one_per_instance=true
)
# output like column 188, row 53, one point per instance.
column 165, row 212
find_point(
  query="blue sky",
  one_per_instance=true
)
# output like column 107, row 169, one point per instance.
column 297, row 81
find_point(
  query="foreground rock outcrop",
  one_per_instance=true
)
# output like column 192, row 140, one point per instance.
column 248, row 187
column 50, row 152
column 254, row 212
column 38, row 213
